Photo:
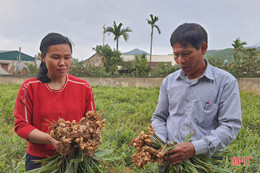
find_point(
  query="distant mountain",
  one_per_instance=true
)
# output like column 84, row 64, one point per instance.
column 221, row 53
column 135, row 52
column 257, row 45
column 226, row 53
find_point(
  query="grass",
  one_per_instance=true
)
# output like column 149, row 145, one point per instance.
column 128, row 111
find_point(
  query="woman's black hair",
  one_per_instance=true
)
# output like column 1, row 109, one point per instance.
column 189, row 33
column 49, row 40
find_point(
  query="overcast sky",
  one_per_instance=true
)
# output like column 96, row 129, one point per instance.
column 23, row 23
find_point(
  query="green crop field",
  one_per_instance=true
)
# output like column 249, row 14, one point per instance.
column 128, row 111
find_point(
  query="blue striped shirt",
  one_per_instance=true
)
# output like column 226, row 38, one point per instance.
column 209, row 106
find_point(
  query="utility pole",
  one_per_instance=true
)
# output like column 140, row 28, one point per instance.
column 19, row 54
column 103, row 35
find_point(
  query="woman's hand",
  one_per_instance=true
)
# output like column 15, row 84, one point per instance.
column 39, row 137
column 182, row 152
column 60, row 148
column 54, row 142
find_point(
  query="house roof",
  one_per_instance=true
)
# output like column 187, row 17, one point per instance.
column 93, row 56
column 3, row 72
column 5, row 51
column 13, row 55
column 21, row 65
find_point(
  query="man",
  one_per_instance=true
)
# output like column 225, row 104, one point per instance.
column 198, row 98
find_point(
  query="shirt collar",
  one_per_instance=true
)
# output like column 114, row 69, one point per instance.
column 207, row 73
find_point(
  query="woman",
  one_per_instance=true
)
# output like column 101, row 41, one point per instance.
column 52, row 95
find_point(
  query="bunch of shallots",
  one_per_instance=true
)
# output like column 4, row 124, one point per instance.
column 149, row 148
column 78, row 147
column 84, row 135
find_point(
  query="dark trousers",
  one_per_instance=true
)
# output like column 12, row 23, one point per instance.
column 30, row 164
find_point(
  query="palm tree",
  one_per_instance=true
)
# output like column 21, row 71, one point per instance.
column 117, row 31
column 238, row 46
column 152, row 22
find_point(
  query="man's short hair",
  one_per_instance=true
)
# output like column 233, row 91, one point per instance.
column 189, row 33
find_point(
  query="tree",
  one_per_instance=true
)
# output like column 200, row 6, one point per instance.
column 140, row 65
column 110, row 58
column 238, row 47
column 77, row 68
column 152, row 22
column 249, row 63
column 117, row 32
column 33, row 69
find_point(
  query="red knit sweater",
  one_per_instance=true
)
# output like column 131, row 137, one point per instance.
column 37, row 105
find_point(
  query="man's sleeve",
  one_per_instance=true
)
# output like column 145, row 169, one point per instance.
column 161, row 113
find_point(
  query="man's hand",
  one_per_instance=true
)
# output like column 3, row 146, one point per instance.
column 182, row 152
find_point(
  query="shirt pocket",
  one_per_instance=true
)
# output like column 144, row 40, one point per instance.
column 204, row 114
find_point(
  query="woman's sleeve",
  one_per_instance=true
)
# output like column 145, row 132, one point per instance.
column 23, row 113
column 90, row 104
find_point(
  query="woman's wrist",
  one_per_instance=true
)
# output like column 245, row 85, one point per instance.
column 50, row 139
